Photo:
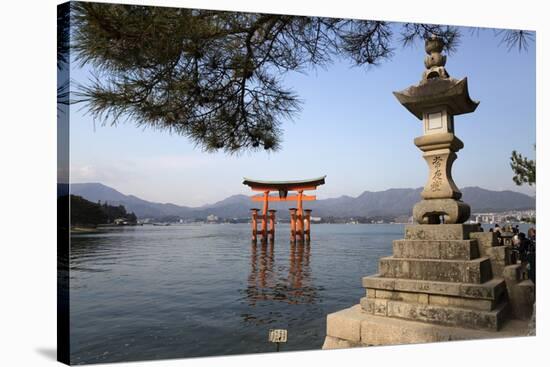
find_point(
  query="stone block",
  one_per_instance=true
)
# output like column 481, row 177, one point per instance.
column 419, row 249
column 532, row 331
column 490, row 290
column 380, row 293
column 432, row 299
column 380, row 307
column 423, row 298
column 497, row 269
column 367, row 304
column 431, row 249
column 459, row 250
column 521, row 296
column 371, row 292
column 500, row 257
column 493, row 289
column 459, row 271
column 377, row 330
column 380, row 330
column 406, row 297
column 485, row 239
column 345, row 324
column 446, row 315
column 499, row 253
column 439, row 232
column 337, row 343
column 397, row 296
column 430, row 211
column 386, row 331
column 512, row 272
column 474, row 304
column 426, row 286
column 376, row 282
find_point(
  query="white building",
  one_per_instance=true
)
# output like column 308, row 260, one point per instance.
column 212, row 218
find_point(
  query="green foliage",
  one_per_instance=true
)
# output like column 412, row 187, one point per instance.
column 63, row 34
column 63, row 48
column 524, row 169
column 86, row 213
column 213, row 76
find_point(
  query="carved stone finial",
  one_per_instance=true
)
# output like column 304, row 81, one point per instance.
column 434, row 60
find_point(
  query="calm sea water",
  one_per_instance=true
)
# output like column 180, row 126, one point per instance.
column 140, row 293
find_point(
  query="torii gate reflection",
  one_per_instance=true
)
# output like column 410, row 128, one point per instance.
column 300, row 224
column 268, row 283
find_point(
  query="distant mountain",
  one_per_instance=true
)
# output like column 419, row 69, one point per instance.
column 392, row 202
column 142, row 208
column 483, row 200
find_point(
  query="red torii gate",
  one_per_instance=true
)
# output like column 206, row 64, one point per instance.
column 300, row 225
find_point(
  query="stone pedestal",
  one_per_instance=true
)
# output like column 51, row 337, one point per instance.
column 437, row 285
column 354, row 328
column 440, row 197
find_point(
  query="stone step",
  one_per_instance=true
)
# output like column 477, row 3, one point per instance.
column 436, row 314
column 485, row 239
column 521, row 292
column 431, row 249
column 432, row 299
column 459, row 271
column 525, row 294
column 354, row 327
column 512, row 272
column 440, row 232
column 500, row 256
column 490, row 290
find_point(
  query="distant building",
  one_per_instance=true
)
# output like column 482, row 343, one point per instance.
column 211, row 218
column 503, row 217
column 121, row 221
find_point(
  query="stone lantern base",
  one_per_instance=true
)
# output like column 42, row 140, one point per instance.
column 443, row 282
column 354, row 328
column 432, row 211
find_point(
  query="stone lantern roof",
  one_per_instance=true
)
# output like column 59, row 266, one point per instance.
column 437, row 88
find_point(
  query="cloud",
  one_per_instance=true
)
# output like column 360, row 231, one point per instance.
column 175, row 162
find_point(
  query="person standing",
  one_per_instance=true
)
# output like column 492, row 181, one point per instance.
column 532, row 233
column 531, row 263
column 527, row 255
column 498, row 231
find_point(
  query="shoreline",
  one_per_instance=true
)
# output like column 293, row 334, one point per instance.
column 83, row 230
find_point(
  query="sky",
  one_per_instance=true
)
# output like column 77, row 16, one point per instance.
column 351, row 128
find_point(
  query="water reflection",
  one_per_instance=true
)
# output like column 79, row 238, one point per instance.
column 288, row 283
column 186, row 291
column 301, row 290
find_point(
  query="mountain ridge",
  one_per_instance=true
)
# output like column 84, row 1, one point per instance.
column 390, row 202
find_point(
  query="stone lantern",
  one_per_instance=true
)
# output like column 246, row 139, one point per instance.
column 435, row 101
column 443, row 281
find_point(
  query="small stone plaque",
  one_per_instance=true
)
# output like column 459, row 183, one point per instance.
column 435, row 121
column 277, row 335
